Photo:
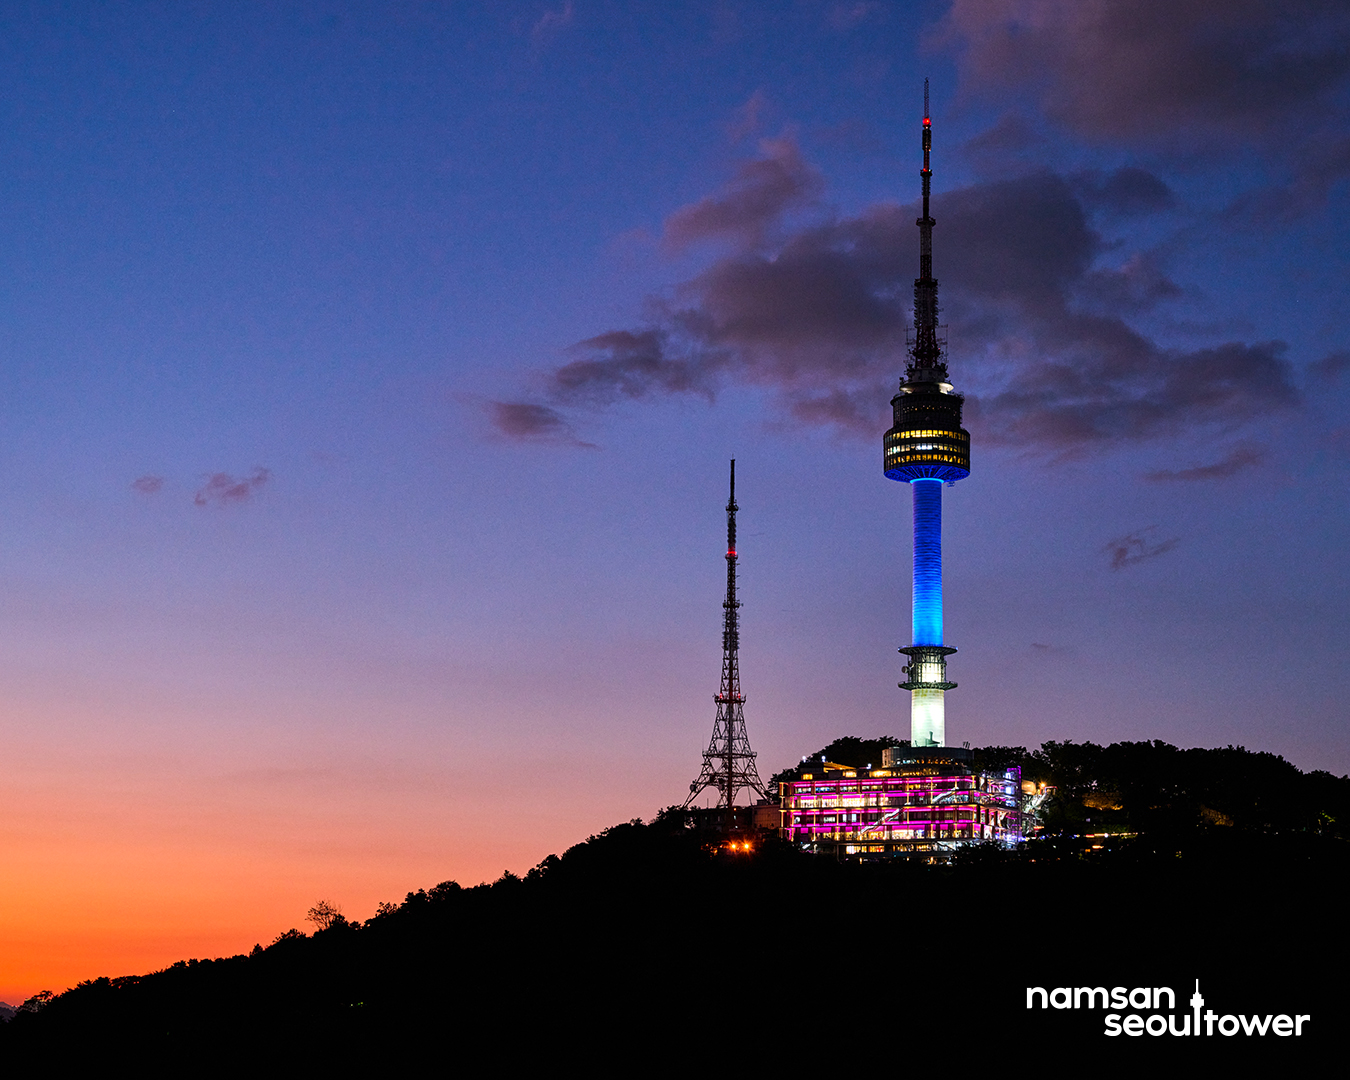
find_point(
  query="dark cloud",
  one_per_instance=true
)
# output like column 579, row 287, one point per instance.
column 1041, row 344
column 826, row 299
column 1327, row 163
column 1024, row 241
column 222, row 489
column 628, row 364
column 1238, row 81
column 752, row 204
column 1136, row 547
column 1134, row 390
column 1010, row 148
column 1239, row 459
column 1126, row 192
column 148, row 484
column 1332, row 366
column 1134, row 69
column 1136, row 285
column 526, row 421
column 1315, row 168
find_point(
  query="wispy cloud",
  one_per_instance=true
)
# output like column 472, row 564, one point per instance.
column 222, row 489
column 551, row 22
column 1331, row 366
column 845, row 16
column 530, row 422
column 1239, row 459
column 1210, row 68
column 148, row 484
column 748, row 209
column 746, row 119
column 1137, row 547
column 628, row 364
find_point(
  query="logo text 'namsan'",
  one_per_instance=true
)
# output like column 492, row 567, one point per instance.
column 1142, row 998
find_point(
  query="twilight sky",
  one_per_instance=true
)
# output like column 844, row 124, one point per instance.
column 368, row 375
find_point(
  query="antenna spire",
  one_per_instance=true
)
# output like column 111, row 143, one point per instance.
column 927, row 362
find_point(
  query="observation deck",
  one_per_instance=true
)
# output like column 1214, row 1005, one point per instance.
column 927, row 441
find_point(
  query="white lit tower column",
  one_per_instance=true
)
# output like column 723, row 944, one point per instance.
column 926, row 449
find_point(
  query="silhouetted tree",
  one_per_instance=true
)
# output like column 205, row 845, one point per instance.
column 323, row 915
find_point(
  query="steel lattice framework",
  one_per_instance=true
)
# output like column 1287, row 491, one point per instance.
column 729, row 763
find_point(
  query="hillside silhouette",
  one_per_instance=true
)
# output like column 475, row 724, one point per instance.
column 645, row 928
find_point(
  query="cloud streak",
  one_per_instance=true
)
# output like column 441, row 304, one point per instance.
column 1137, row 547
column 1213, row 70
column 222, row 489
column 744, row 212
column 551, row 22
column 525, row 421
column 1332, row 366
column 1236, row 462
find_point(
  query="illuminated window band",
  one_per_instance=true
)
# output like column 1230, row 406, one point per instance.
column 927, row 453
column 931, row 433
column 905, row 459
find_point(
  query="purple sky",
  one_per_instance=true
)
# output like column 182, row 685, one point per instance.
column 370, row 374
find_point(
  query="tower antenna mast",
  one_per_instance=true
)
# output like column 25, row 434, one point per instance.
column 729, row 763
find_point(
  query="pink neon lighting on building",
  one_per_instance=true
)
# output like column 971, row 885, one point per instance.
column 874, row 810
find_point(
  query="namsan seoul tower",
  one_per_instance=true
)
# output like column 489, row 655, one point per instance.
column 926, row 449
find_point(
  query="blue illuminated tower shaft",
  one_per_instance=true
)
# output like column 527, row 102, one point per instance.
column 927, row 561
column 927, row 668
column 926, row 448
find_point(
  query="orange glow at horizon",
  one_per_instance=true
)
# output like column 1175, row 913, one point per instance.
column 127, row 866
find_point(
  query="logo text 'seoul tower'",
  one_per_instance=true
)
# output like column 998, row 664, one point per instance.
column 926, row 449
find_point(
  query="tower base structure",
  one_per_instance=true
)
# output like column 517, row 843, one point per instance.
column 927, row 685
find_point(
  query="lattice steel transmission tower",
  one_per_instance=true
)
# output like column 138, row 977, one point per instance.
column 729, row 763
